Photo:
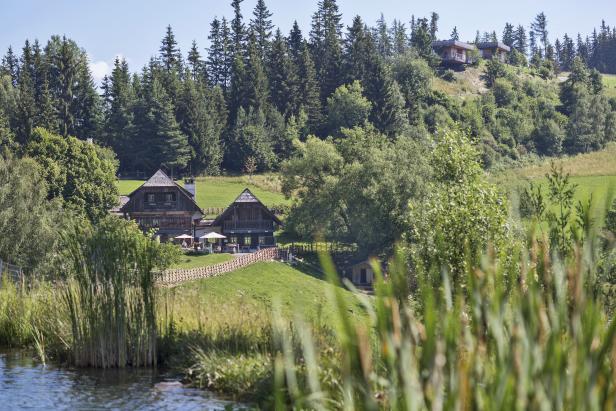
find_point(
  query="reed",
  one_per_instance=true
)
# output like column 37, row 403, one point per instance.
column 109, row 295
column 533, row 338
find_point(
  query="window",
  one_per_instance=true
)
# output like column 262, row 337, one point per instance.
column 247, row 240
column 169, row 197
column 150, row 198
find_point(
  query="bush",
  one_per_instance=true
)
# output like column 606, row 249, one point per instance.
column 448, row 75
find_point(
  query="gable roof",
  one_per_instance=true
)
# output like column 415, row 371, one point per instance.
column 245, row 196
column 161, row 179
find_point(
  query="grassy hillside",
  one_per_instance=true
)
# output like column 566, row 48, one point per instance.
column 203, row 260
column 609, row 81
column 593, row 173
column 221, row 191
column 252, row 291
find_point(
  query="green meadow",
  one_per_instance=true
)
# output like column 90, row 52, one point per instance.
column 201, row 260
column 609, row 82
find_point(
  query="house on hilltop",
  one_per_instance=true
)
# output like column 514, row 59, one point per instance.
column 490, row 49
column 162, row 204
column 454, row 52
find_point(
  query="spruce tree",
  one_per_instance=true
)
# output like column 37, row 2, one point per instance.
column 398, row 37
column 256, row 84
column 433, row 25
column 170, row 145
column 382, row 39
column 237, row 28
column 508, row 35
column 454, row 33
column 325, row 41
column 196, row 64
column 295, row 42
column 309, row 94
column 170, row 54
column 521, row 42
column 282, row 74
column 261, row 25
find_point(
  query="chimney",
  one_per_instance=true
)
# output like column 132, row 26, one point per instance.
column 191, row 186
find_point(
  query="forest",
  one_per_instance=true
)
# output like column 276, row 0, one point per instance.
column 247, row 100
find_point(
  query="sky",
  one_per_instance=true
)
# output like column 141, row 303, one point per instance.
column 133, row 29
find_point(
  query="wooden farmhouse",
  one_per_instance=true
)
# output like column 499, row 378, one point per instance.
column 247, row 223
column 454, row 52
column 162, row 204
column 488, row 50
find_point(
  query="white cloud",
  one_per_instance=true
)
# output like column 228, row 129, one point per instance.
column 99, row 69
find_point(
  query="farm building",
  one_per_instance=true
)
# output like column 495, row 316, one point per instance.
column 490, row 49
column 247, row 223
column 163, row 204
column 454, row 52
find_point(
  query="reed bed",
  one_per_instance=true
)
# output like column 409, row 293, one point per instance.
column 533, row 338
column 109, row 294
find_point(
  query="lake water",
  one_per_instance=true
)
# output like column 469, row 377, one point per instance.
column 25, row 384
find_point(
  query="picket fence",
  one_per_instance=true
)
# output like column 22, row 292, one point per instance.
column 172, row 277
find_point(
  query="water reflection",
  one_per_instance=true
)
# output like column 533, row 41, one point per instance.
column 25, row 384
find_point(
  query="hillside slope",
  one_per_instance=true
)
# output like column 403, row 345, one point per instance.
column 254, row 289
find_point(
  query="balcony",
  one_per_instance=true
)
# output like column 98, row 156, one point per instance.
column 248, row 225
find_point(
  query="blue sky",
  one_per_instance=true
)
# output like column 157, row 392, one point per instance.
column 133, row 29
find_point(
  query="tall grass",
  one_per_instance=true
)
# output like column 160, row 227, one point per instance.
column 531, row 338
column 109, row 293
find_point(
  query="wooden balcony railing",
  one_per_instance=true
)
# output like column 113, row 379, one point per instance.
column 249, row 225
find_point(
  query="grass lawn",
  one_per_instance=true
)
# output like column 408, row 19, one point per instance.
column 203, row 260
column 221, row 191
column 256, row 287
column 593, row 173
column 609, row 82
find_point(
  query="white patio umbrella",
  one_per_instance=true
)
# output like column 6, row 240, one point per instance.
column 213, row 235
column 183, row 237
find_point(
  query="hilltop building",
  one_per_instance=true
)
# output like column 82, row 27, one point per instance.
column 454, row 52
column 490, row 49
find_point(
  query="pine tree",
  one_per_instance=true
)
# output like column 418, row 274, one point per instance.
column 237, row 28
column 295, row 42
column 195, row 64
column 119, row 116
column 540, row 31
column 382, row 39
column 310, row 102
column 262, row 26
column 398, row 37
column 509, row 35
column 283, row 80
column 170, row 145
column 170, row 54
column 325, row 40
column 202, row 120
column 358, row 51
column 433, row 25
column 421, row 39
column 10, row 66
column 388, row 113
column 454, row 33
column 256, row 80
column 238, row 95
column 521, row 42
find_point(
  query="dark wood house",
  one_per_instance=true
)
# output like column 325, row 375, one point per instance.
column 164, row 205
column 454, row 52
column 491, row 49
column 247, row 223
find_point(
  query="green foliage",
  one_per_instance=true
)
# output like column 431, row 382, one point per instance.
column 27, row 216
column 79, row 172
column 494, row 70
column 347, row 107
column 354, row 189
column 461, row 216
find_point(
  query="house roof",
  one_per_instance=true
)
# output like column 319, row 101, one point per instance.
column 493, row 45
column 245, row 196
column 452, row 43
column 161, row 179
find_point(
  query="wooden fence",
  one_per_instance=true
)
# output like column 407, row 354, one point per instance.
column 171, row 277
column 12, row 272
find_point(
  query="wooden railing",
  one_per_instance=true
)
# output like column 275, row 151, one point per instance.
column 249, row 225
column 172, row 277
